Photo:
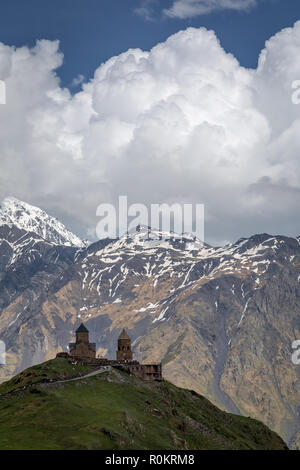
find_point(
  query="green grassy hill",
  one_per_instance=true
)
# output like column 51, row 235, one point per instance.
column 115, row 410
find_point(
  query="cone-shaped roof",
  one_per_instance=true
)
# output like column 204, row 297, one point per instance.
column 82, row 329
column 124, row 335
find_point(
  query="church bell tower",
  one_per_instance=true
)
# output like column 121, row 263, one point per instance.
column 124, row 352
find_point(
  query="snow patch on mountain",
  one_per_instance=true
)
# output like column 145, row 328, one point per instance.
column 14, row 212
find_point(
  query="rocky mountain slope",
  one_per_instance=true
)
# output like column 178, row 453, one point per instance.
column 15, row 213
column 114, row 410
column 222, row 320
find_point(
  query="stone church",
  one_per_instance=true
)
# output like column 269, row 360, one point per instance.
column 85, row 352
column 82, row 347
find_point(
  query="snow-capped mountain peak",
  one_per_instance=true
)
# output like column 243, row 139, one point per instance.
column 143, row 237
column 14, row 212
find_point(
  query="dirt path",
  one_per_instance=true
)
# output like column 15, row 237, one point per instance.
column 46, row 384
column 90, row 374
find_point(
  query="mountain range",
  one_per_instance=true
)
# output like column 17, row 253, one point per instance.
column 221, row 319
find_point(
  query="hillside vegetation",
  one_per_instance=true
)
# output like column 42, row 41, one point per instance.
column 114, row 410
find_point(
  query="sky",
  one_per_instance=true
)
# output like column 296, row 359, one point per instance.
column 184, row 101
column 92, row 31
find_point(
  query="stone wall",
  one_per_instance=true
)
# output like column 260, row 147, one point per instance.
column 147, row 372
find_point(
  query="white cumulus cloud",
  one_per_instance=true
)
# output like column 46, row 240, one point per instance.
column 190, row 8
column 183, row 122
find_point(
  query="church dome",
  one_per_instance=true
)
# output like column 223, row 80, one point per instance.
column 82, row 329
column 124, row 335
